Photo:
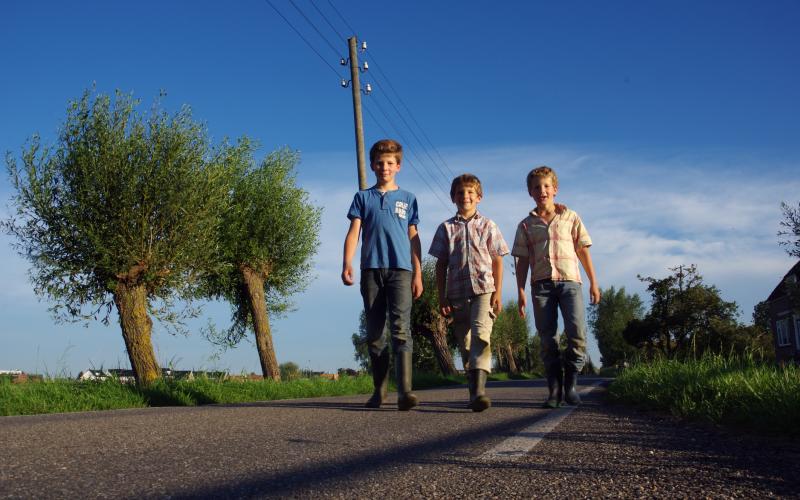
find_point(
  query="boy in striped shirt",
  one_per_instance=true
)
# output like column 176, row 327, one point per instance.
column 551, row 241
column 469, row 277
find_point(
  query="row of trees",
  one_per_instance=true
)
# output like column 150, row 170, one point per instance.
column 142, row 214
column 687, row 318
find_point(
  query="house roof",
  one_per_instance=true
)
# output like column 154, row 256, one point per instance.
column 779, row 289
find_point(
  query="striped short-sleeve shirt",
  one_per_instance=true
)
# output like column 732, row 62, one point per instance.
column 468, row 246
column 551, row 247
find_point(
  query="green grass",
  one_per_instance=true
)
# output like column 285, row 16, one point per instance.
column 61, row 395
column 739, row 392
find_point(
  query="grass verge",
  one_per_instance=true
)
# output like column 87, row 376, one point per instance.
column 734, row 391
column 62, row 395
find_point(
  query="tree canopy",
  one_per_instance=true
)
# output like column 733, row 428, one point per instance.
column 122, row 210
column 268, row 236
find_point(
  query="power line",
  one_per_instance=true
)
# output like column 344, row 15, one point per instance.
column 411, row 164
column 304, row 39
column 377, row 65
column 406, row 141
column 419, row 141
column 338, row 54
column 342, row 18
column 326, row 20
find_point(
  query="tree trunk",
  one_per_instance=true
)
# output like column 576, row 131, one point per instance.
column 254, row 284
column 512, row 364
column 437, row 334
column 131, row 302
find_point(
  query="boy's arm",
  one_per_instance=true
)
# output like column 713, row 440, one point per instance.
column 586, row 260
column 441, row 283
column 497, row 273
column 416, row 262
column 521, row 270
column 350, row 244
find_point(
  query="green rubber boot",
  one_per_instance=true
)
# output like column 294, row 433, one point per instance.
column 405, row 398
column 555, row 384
column 480, row 401
column 380, row 379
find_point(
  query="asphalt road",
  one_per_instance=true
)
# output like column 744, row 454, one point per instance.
column 332, row 447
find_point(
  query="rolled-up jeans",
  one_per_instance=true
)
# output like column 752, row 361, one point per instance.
column 473, row 319
column 387, row 291
column 548, row 297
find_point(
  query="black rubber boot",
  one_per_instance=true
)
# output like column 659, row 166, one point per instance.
column 480, row 401
column 405, row 398
column 380, row 379
column 555, row 384
column 571, row 396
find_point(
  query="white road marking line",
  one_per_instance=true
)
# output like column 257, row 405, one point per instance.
column 519, row 445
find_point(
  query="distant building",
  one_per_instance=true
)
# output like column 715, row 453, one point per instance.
column 785, row 318
column 128, row 377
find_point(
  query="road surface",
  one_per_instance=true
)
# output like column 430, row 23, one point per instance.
column 335, row 448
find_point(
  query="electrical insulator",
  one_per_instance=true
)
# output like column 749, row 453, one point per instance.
column 345, row 83
column 369, row 88
column 363, row 46
column 366, row 66
column 343, row 61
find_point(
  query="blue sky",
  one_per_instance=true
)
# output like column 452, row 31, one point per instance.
column 673, row 127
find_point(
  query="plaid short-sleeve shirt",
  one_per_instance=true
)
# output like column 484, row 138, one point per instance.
column 551, row 248
column 468, row 246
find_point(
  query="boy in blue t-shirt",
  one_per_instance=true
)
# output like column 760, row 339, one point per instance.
column 391, row 271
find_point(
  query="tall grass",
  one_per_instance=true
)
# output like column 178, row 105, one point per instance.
column 737, row 391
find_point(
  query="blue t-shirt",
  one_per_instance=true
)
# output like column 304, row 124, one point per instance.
column 385, row 218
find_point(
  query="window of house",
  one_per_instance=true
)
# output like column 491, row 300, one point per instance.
column 797, row 333
column 782, row 329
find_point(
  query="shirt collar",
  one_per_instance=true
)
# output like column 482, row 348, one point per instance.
column 458, row 218
column 560, row 209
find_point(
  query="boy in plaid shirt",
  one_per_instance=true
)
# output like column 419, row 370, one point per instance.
column 469, row 276
column 551, row 241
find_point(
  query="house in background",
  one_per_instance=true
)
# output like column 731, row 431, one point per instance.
column 785, row 319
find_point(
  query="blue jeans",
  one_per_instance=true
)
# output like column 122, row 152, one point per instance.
column 387, row 292
column 548, row 297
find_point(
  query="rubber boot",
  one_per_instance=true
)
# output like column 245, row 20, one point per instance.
column 380, row 379
column 405, row 398
column 555, row 384
column 471, row 387
column 480, row 402
column 571, row 396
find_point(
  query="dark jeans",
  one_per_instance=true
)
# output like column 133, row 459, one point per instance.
column 387, row 291
column 548, row 297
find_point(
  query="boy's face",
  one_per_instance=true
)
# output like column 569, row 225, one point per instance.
column 466, row 199
column 543, row 191
column 385, row 167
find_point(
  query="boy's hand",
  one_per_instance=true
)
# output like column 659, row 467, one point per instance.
column 594, row 294
column 416, row 286
column 496, row 301
column 444, row 307
column 347, row 274
column 522, row 303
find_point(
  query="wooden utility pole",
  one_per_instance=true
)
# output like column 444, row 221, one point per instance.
column 359, row 123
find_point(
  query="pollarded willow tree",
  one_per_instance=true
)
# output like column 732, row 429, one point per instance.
column 267, row 238
column 123, row 211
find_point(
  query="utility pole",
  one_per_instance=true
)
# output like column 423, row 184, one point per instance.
column 359, row 122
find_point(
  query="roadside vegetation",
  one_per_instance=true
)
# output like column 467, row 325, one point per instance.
column 738, row 391
column 64, row 395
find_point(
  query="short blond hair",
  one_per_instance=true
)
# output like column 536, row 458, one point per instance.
column 543, row 171
column 383, row 147
column 465, row 180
